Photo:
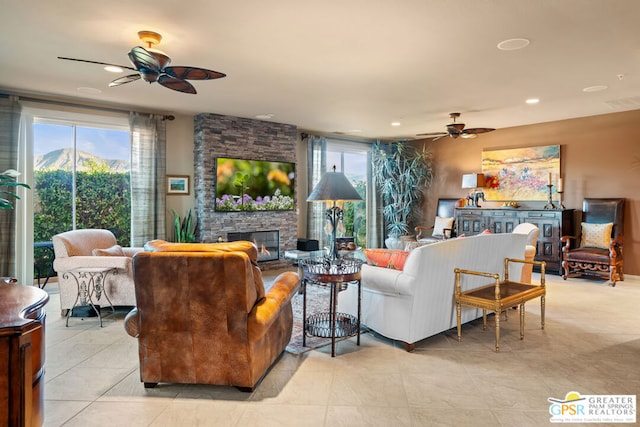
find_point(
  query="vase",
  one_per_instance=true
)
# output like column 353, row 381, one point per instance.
column 394, row 242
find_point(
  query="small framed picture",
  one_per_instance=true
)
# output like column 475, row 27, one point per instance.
column 178, row 184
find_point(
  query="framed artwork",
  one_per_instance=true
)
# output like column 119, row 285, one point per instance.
column 178, row 184
column 521, row 173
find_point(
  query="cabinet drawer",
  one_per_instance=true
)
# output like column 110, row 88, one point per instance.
column 504, row 214
column 542, row 214
column 468, row 213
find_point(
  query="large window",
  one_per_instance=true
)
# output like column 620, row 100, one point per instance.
column 352, row 159
column 81, row 178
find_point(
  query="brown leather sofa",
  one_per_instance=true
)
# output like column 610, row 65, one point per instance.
column 203, row 317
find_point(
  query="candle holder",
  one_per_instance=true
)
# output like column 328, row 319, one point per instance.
column 560, row 199
column 550, row 204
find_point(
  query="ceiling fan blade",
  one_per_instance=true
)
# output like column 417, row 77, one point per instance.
column 142, row 59
column 192, row 73
column 478, row 130
column 126, row 79
column 430, row 134
column 96, row 62
column 176, row 84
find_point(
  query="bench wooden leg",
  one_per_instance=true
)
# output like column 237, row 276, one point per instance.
column 542, row 312
column 484, row 319
column 522, row 321
column 459, row 319
column 497, row 332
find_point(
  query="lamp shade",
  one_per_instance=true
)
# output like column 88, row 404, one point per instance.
column 472, row 180
column 333, row 186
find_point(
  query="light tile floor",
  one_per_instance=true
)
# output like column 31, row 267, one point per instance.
column 591, row 345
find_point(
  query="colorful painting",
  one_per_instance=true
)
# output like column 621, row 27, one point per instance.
column 521, row 173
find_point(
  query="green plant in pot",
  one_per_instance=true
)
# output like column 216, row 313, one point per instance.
column 402, row 174
column 184, row 229
column 8, row 181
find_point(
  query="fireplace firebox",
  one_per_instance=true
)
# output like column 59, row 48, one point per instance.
column 268, row 242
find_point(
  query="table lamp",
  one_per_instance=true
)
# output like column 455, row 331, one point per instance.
column 473, row 180
column 333, row 187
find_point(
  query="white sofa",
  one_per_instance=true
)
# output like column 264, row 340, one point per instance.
column 75, row 250
column 418, row 302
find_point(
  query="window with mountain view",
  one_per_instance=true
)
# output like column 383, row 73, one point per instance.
column 351, row 159
column 81, row 179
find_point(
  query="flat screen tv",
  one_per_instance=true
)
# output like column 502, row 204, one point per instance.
column 254, row 185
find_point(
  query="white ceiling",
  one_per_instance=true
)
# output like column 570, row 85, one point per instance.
column 340, row 65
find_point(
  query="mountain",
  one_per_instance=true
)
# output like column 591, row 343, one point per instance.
column 63, row 159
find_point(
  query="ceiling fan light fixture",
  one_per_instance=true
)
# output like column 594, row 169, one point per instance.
column 151, row 38
column 468, row 135
column 113, row 69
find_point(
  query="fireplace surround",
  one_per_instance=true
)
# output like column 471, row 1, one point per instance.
column 267, row 242
column 216, row 136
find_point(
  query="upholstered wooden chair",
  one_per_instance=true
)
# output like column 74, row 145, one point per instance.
column 444, row 225
column 597, row 250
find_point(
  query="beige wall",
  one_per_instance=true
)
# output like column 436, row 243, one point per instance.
column 179, row 162
column 600, row 157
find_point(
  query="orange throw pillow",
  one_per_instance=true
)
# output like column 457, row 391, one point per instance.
column 398, row 258
column 387, row 258
column 378, row 257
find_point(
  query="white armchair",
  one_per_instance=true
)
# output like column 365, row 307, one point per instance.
column 94, row 248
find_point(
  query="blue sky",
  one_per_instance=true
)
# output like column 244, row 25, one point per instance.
column 104, row 143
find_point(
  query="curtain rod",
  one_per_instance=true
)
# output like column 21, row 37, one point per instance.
column 76, row 105
column 347, row 138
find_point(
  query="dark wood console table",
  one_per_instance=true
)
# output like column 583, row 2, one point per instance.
column 22, row 349
column 553, row 224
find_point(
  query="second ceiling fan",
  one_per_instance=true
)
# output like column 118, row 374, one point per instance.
column 455, row 130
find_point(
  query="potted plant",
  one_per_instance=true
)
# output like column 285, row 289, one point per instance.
column 402, row 173
column 184, row 229
column 8, row 181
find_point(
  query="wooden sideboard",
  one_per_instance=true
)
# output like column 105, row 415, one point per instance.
column 553, row 224
column 22, row 348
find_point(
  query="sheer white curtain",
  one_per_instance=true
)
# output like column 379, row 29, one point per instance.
column 148, row 178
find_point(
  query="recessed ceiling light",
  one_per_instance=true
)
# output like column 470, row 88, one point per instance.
column 395, row 123
column 596, row 88
column 513, row 44
column 532, row 101
column 113, row 69
column 89, row 90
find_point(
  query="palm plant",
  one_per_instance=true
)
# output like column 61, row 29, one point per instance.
column 8, row 181
column 402, row 173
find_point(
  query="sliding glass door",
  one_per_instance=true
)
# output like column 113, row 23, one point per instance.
column 351, row 158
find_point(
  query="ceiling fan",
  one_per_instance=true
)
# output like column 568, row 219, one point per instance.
column 456, row 129
column 152, row 66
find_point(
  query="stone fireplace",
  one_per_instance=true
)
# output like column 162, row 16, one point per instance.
column 268, row 243
column 226, row 136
